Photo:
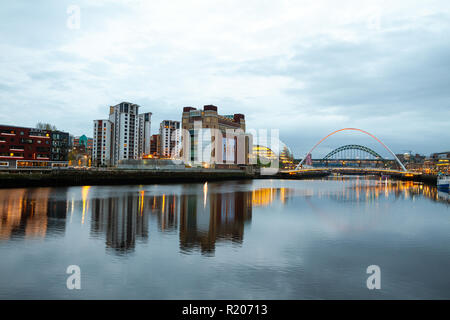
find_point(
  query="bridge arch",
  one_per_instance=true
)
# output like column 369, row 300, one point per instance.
column 352, row 129
column 354, row 147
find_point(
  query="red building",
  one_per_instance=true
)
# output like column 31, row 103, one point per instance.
column 24, row 147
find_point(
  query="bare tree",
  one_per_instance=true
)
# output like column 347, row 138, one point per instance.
column 45, row 126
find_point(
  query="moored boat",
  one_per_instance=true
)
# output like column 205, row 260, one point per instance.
column 443, row 182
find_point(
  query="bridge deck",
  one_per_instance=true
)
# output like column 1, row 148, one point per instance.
column 351, row 169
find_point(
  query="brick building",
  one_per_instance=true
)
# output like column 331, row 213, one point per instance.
column 215, row 140
column 22, row 147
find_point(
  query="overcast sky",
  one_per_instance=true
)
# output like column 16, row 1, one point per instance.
column 304, row 67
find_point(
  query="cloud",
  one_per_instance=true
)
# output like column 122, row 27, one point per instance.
column 305, row 67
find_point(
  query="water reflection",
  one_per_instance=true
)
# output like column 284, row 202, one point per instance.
column 32, row 213
column 367, row 189
column 201, row 215
column 120, row 221
column 221, row 218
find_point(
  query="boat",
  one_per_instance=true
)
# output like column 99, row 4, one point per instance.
column 443, row 181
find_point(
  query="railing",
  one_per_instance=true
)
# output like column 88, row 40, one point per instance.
column 368, row 170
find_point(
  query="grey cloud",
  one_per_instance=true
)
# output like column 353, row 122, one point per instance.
column 393, row 83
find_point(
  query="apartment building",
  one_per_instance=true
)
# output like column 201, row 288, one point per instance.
column 145, row 133
column 102, row 150
column 124, row 135
column 170, row 139
column 22, row 147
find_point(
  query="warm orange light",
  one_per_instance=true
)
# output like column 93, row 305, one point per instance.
column 84, row 197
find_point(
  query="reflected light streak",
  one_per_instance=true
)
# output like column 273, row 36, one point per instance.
column 205, row 194
column 141, row 201
column 84, row 195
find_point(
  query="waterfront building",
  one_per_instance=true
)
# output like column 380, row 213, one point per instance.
column 263, row 155
column 155, row 142
column 413, row 162
column 102, row 151
column 441, row 161
column 214, row 140
column 125, row 117
column 124, row 135
column 22, row 147
column 170, row 139
column 286, row 159
column 71, row 141
column 60, row 146
column 145, row 133
column 441, row 155
column 81, row 151
column 83, row 141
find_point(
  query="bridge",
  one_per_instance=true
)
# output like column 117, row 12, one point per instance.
column 354, row 156
column 352, row 159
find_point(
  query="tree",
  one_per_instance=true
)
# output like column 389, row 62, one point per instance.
column 45, row 126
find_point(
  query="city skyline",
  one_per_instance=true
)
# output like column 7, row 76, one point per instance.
column 286, row 65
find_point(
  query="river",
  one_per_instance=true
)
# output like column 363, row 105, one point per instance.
column 256, row 239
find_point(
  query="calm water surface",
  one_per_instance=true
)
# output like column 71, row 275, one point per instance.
column 262, row 239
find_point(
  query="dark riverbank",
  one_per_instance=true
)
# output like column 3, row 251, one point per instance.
column 126, row 177
column 132, row 177
column 425, row 178
column 112, row 177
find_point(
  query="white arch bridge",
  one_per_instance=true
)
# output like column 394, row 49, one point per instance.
column 352, row 153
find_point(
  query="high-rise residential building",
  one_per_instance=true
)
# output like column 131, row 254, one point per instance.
column 102, row 151
column 127, row 135
column 145, row 120
column 211, row 139
column 170, row 139
column 125, row 117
